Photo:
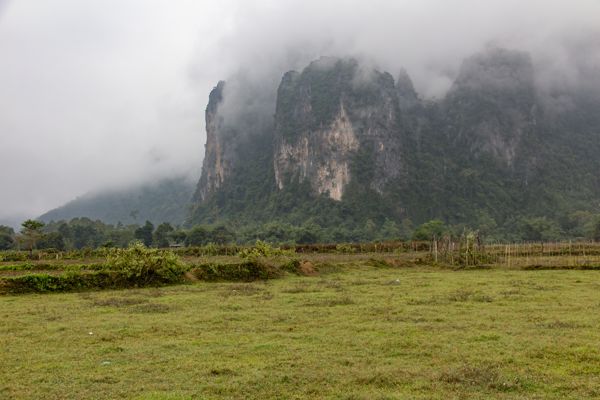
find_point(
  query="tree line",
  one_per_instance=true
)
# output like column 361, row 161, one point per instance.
column 80, row 233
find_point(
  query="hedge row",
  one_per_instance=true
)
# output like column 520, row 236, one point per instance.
column 248, row 270
column 51, row 267
column 221, row 250
column 67, row 282
column 72, row 281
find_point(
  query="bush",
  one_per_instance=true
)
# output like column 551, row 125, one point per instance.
column 345, row 248
column 28, row 266
column 248, row 270
column 434, row 229
column 210, row 249
column 14, row 255
column 145, row 266
column 69, row 281
column 263, row 249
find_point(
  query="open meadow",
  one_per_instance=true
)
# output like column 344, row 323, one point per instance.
column 349, row 326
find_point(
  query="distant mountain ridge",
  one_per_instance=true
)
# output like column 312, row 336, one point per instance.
column 166, row 200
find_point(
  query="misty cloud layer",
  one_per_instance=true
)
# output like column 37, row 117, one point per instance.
column 107, row 93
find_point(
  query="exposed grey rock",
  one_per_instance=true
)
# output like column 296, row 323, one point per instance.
column 219, row 152
column 325, row 115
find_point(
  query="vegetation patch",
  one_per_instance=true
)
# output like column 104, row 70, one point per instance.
column 378, row 263
column 30, row 266
column 69, row 281
column 145, row 266
column 136, row 266
column 245, row 271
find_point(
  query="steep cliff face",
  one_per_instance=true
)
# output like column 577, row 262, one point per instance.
column 219, row 152
column 322, row 157
column 491, row 107
column 325, row 115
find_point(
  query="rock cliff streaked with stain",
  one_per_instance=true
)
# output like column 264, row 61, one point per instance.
column 218, row 153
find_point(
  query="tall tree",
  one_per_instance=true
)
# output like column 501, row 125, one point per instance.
column 161, row 235
column 7, row 240
column 596, row 232
column 198, row 236
column 144, row 233
column 32, row 232
column 222, row 235
column 52, row 240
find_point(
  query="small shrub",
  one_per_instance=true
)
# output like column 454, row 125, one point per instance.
column 292, row 265
column 345, row 248
column 263, row 249
column 248, row 270
column 379, row 263
column 145, row 266
column 210, row 249
column 14, row 255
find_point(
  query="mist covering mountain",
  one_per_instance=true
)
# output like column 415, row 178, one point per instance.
column 166, row 200
column 343, row 143
column 345, row 146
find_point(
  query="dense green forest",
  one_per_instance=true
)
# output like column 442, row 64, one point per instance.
column 159, row 201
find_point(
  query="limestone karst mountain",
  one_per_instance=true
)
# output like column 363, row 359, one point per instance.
column 346, row 143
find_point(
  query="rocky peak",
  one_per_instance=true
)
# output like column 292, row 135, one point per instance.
column 218, row 154
column 214, row 99
column 491, row 106
column 325, row 114
column 496, row 70
column 407, row 96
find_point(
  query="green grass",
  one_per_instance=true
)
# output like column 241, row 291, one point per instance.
column 359, row 331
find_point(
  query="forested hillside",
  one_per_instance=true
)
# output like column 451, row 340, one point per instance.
column 166, row 200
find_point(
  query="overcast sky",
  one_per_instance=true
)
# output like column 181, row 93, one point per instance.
column 99, row 93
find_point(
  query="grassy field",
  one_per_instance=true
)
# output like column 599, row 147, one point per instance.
column 355, row 331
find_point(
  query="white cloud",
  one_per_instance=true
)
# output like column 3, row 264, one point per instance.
column 108, row 92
